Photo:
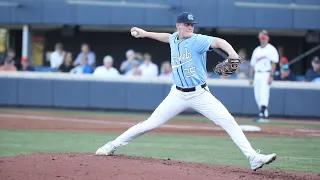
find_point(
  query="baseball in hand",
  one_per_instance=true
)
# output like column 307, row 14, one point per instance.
column 134, row 33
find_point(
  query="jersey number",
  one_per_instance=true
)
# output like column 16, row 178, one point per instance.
column 190, row 72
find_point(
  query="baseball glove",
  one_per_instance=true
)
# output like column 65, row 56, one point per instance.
column 228, row 66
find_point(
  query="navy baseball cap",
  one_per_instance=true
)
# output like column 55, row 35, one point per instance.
column 186, row 17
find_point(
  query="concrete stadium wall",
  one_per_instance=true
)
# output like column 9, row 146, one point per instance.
column 146, row 96
column 209, row 13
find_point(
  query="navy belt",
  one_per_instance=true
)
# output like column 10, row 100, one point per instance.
column 190, row 89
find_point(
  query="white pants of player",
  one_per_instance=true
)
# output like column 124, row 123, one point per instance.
column 262, row 89
column 201, row 101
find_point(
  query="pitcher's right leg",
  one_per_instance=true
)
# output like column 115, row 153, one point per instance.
column 171, row 106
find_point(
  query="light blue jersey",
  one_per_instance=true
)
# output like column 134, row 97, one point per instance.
column 188, row 59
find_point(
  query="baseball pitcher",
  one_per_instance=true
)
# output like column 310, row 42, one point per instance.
column 188, row 62
column 263, row 66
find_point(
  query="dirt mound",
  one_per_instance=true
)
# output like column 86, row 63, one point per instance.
column 84, row 166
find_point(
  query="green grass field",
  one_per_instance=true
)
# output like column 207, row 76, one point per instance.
column 298, row 154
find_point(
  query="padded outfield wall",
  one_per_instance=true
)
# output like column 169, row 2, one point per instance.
column 57, row 90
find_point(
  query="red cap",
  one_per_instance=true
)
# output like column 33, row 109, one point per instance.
column 263, row 35
column 24, row 59
column 284, row 60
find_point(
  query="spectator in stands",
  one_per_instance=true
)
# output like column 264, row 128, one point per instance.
column 139, row 57
column 25, row 66
column 106, row 70
column 85, row 51
column 313, row 72
column 83, row 67
column 67, row 63
column 56, row 58
column 127, row 65
column 8, row 65
column 11, row 55
column 148, row 68
column 135, row 70
column 282, row 61
column 316, row 80
column 166, row 71
column 285, row 74
column 244, row 68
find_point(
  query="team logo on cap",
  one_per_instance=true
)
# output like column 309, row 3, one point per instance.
column 190, row 17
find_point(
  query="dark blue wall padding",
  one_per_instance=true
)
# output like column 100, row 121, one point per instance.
column 302, row 102
column 71, row 93
column 148, row 96
column 276, row 101
column 230, row 97
column 144, row 96
column 9, row 91
column 110, row 95
column 166, row 89
column 35, row 92
column 249, row 105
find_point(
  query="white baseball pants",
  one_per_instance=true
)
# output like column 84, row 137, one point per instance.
column 261, row 88
column 201, row 101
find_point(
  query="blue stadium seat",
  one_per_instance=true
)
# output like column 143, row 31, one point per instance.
column 214, row 75
column 45, row 69
column 300, row 78
column 233, row 76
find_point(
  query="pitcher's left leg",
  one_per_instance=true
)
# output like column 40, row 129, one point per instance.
column 210, row 107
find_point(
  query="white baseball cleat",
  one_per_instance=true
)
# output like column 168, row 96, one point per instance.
column 106, row 150
column 258, row 160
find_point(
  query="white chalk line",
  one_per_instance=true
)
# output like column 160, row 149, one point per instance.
column 78, row 120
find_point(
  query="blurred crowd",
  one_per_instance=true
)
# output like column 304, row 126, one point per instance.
column 12, row 63
column 138, row 64
column 135, row 64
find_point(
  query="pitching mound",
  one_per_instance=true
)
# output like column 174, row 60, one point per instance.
column 80, row 166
